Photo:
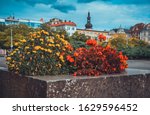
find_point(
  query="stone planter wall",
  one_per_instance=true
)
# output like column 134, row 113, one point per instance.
column 133, row 83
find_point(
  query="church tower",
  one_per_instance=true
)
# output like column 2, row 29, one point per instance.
column 88, row 25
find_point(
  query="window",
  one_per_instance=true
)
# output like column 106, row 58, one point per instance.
column 68, row 28
column 72, row 28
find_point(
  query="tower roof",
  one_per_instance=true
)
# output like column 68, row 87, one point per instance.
column 88, row 25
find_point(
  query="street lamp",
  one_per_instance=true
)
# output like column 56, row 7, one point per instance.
column 11, row 40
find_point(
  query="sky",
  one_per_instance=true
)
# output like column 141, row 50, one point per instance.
column 105, row 14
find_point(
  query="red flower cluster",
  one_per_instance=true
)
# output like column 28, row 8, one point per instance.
column 91, row 42
column 99, row 60
column 101, row 37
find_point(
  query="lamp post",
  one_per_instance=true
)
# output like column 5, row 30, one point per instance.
column 11, row 40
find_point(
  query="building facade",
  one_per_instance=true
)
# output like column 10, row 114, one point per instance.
column 145, row 33
column 11, row 20
column 120, row 30
column 93, row 33
column 136, row 29
column 68, row 26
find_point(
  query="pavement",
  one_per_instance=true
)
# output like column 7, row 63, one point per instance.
column 139, row 64
column 3, row 62
column 134, row 64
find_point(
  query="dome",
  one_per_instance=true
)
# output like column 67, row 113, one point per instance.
column 88, row 25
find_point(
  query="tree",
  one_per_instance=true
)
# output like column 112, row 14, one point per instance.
column 78, row 40
column 3, row 27
column 118, row 41
column 45, row 26
column 19, row 32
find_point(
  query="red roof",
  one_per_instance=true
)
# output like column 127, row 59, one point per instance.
column 63, row 24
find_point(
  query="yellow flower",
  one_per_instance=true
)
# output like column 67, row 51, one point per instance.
column 16, row 49
column 46, row 33
column 58, row 36
column 50, row 40
column 57, row 45
column 63, row 49
column 42, row 48
column 37, row 47
column 58, row 53
column 41, row 40
column 23, row 40
column 16, row 44
column 46, row 50
column 63, row 36
column 12, row 65
column 14, row 52
column 27, row 47
column 34, row 35
column 58, row 65
column 61, row 58
column 51, row 45
column 34, row 51
column 50, row 51
column 8, row 58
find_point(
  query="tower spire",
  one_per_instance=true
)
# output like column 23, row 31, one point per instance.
column 88, row 25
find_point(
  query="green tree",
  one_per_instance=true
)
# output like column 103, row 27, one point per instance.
column 19, row 32
column 78, row 40
column 3, row 27
column 118, row 42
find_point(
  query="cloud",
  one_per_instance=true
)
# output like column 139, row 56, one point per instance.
column 34, row 2
column 118, row 2
column 61, row 5
column 89, row 1
column 135, row 2
column 64, row 8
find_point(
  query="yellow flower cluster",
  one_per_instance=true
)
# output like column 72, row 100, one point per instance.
column 39, row 54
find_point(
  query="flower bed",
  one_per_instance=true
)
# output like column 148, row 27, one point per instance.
column 97, row 59
column 50, row 54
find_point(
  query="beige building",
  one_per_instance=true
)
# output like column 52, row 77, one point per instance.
column 92, row 33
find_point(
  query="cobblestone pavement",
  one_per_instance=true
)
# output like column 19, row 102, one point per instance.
column 136, row 64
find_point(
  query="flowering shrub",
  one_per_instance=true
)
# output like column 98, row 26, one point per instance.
column 91, row 42
column 97, row 60
column 41, row 54
column 101, row 37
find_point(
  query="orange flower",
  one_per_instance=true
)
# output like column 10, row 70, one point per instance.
column 70, row 59
column 101, row 37
column 76, row 54
column 69, row 47
column 91, row 42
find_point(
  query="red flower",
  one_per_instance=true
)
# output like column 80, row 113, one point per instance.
column 70, row 59
column 101, row 37
column 69, row 47
column 76, row 54
column 91, row 42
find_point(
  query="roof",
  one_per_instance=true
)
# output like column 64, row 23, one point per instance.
column 93, row 30
column 63, row 24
